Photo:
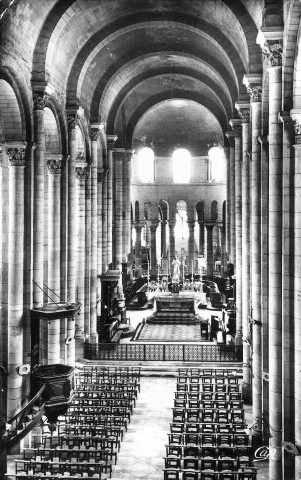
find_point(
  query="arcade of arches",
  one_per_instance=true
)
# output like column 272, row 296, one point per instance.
column 84, row 86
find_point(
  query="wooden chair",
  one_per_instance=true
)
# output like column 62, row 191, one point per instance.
column 171, row 474
column 190, row 474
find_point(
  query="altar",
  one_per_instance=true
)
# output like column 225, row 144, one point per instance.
column 175, row 308
column 199, row 298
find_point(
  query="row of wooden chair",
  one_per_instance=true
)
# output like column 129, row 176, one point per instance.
column 107, row 427
column 99, row 370
column 216, row 380
column 206, row 415
column 212, row 451
column 208, row 427
column 208, row 387
column 108, row 439
column 33, row 467
column 196, row 403
column 224, row 396
column 242, row 474
column 230, row 439
column 210, row 372
column 102, row 452
column 205, row 463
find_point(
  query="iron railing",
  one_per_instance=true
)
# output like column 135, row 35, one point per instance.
column 163, row 352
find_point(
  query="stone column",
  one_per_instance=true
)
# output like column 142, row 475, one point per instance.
column 138, row 227
column 172, row 240
column 163, row 238
column 40, row 100
column 104, row 219
column 209, row 254
column 88, row 249
column 227, row 244
column 201, row 237
column 231, row 136
column 54, row 167
column 288, row 233
column 96, row 234
column 111, row 139
column 82, row 171
column 253, row 84
column 296, row 115
column 127, row 163
column 244, row 113
column 264, row 274
column 191, row 244
column 153, row 247
column 272, row 49
column 16, row 161
column 118, row 154
column 72, row 120
column 236, row 125
column 223, row 248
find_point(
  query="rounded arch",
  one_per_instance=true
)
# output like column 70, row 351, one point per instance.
column 52, row 134
column 200, row 211
column 165, row 209
column 137, row 211
column 214, row 210
column 289, row 49
column 12, row 83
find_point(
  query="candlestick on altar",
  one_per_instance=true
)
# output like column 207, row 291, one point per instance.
column 147, row 273
column 158, row 275
column 192, row 270
column 183, row 268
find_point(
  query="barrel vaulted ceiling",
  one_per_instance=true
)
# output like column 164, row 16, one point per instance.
column 147, row 69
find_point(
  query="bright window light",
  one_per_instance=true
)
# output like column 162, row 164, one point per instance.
column 218, row 165
column 181, row 166
column 146, row 164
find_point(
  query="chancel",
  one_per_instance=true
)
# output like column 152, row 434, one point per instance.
column 150, row 226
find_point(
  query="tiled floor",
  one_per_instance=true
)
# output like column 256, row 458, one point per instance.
column 143, row 448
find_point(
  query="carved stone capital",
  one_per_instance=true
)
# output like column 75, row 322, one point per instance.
column 237, row 130
column 72, row 121
column 297, row 128
column 295, row 115
column 16, row 156
column 81, row 158
column 39, row 100
column 255, row 93
column 54, row 164
column 82, row 171
column 128, row 154
column 244, row 114
column 272, row 50
column 94, row 134
column 118, row 154
column 111, row 140
column 230, row 136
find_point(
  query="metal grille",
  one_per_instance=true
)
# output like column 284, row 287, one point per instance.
column 163, row 352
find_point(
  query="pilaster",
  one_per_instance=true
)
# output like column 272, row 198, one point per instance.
column 253, row 84
column 237, row 129
column 15, row 154
column 111, row 139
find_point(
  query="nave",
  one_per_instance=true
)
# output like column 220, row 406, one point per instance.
column 147, row 444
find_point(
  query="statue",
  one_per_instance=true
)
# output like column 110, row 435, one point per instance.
column 176, row 270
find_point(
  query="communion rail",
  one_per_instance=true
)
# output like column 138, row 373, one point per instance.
column 163, row 352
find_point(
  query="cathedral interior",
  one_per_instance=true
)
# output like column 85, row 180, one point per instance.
column 153, row 143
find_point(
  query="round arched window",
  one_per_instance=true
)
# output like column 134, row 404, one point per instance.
column 181, row 166
column 146, row 164
column 218, row 166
